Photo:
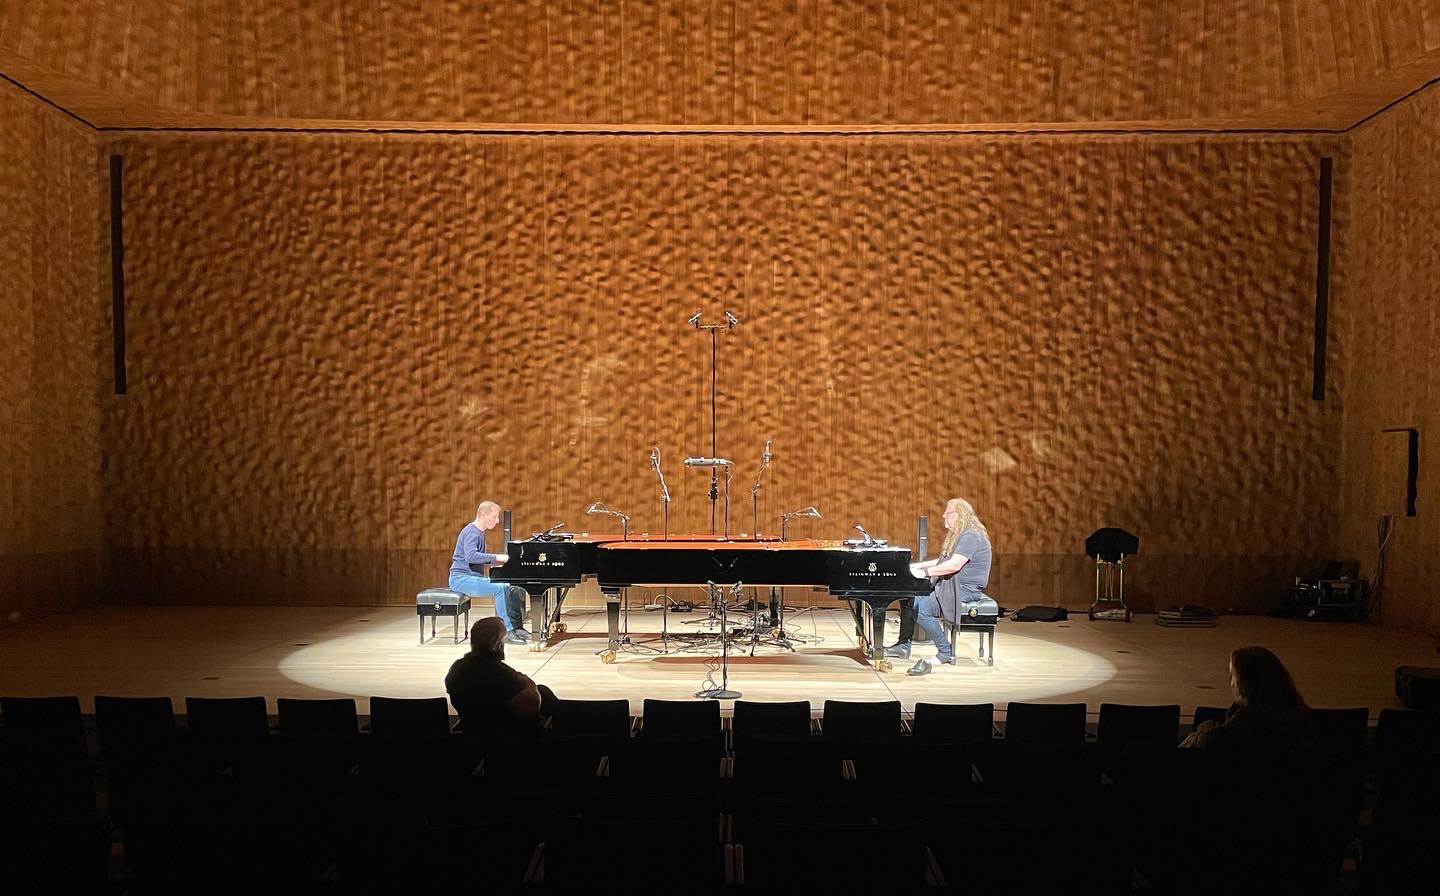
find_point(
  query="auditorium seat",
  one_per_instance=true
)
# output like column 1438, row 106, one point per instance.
column 953, row 721
column 330, row 717
column 1045, row 723
column 856, row 720
column 1124, row 725
column 226, row 717
column 591, row 718
column 1343, row 729
column 784, row 719
column 409, row 716
column 47, row 716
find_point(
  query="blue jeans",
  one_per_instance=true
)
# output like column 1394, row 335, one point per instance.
column 509, row 599
column 927, row 616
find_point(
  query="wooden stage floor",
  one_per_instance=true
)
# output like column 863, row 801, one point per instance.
column 360, row 652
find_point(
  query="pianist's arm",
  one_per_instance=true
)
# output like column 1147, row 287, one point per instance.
column 476, row 557
column 937, row 569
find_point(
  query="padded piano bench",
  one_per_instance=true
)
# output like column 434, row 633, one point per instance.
column 434, row 602
column 978, row 616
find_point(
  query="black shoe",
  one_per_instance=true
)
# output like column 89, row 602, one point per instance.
column 898, row 651
column 921, row 667
column 514, row 638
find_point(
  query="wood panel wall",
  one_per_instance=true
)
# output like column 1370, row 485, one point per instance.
column 1389, row 332
column 340, row 343
column 732, row 62
column 51, row 538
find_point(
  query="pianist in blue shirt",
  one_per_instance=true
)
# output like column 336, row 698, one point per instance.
column 960, row 573
column 469, row 565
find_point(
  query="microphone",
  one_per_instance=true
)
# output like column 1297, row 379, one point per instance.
column 868, row 539
column 694, row 321
column 707, row 462
column 731, row 319
column 810, row 511
column 655, row 457
column 766, row 455
column 551, row 531
column 597, row 507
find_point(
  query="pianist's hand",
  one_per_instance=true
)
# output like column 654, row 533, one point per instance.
column 501, row 559
column 918, row 571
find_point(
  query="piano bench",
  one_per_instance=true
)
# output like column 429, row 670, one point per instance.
column 980, row 617
column 434, row 602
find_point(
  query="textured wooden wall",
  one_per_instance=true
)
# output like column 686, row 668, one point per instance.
column 727, row 62
column 339, row 344
column 1390, row 329
column 51, row 538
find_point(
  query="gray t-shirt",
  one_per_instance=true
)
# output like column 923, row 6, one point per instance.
column 967, row 584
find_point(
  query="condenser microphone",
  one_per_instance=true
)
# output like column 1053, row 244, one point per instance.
column 766, row 456
column 707, row 462
column 655, row 458
column 731, row 319
column 694, row 321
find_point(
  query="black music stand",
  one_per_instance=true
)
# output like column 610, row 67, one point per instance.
column 1109, row 546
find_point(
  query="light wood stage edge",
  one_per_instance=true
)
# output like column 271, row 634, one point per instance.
column 360, row 652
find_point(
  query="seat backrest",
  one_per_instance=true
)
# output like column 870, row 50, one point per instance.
column 46, row 716
column 227, row 717
column 132, row 717
column 953, row 721
column 330, row 717
column 1342, row 729
column 398, row 716
column 681, row 717
column 1205, row 714
column 1407, row 729
column 869, row 720
column 1126, row 725
column 755, row 719
column 1054, row 724
column 590, row 718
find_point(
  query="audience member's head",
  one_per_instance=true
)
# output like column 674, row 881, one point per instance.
column 1260, row 679
column 487, row 636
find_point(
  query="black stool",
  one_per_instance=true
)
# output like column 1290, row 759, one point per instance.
column 434, row 602
column 977, row 616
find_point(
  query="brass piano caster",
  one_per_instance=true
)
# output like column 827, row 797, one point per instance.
column 536, row 646
column 884, row 665
column 559, row 628
column 607, row 656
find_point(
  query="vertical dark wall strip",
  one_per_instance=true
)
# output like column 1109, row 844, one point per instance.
column 1322, row 282
column 117, row 275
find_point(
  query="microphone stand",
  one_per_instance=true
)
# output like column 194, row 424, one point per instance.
column 730, row 321
column 723, row 692
column 664, row 496
column 755, row 492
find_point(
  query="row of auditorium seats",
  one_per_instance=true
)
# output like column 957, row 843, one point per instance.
column 861, row 796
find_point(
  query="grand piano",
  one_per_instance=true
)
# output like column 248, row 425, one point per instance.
column 866, row 575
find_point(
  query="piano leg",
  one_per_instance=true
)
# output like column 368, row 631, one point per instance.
column 539, row 634
column 877, row 639
column 556, row 625
column 612, row 622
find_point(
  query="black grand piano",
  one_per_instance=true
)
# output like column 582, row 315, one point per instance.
column 866, row 575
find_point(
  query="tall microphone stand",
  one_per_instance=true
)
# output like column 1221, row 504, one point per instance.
column 723, row 692
column 664, row 494
column 755, row 492
column 730, row 321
